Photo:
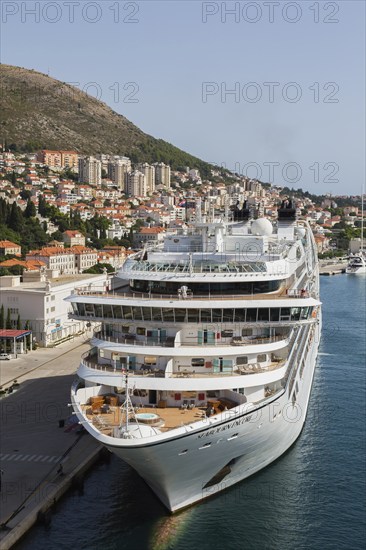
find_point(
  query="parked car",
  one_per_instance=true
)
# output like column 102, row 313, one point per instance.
column 5, row 356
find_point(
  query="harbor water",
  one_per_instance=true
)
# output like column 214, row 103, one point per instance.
column 313, row 497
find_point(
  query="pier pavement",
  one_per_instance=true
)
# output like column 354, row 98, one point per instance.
column 39, row 460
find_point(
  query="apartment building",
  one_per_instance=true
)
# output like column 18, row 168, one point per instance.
column 118, row 170
column 58, row 159
column 90, row 170
column 162, row 174
column 136, row 184
column 149, row 172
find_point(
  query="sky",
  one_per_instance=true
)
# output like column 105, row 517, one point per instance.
column 273, row 90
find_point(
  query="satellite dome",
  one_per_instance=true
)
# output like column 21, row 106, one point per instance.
column 262, row 227
column 300, row 232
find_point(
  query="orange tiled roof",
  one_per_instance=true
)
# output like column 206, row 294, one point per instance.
column 8, row 244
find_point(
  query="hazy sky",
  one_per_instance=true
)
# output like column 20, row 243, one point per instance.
column 274, row 90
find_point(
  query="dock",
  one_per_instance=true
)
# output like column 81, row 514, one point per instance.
column 41, row 458
column 332, row 268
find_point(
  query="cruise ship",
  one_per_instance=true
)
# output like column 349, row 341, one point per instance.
column 202, row 363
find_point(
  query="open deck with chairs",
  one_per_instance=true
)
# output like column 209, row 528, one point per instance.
column 107, row 417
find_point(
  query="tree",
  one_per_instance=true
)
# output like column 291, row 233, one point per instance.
column 30, row 210
column 15, row 221
column 18, row 322
column 8, row 320
column 2, row 317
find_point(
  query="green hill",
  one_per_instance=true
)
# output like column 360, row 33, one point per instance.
column 39, row 112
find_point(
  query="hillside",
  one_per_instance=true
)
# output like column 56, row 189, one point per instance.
column 38, row 112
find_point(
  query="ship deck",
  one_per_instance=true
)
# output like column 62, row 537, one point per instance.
column 168, row 418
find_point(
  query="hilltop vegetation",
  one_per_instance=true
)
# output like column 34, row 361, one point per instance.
column 39, row 112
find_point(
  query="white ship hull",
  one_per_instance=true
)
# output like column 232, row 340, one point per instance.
column 179, row 480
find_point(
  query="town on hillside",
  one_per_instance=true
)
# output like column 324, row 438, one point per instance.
column 69, row 220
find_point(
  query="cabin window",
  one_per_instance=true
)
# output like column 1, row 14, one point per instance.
column 146, row 313
column 201, row 397
column 251, row 315
column 89, row 309
column 217, row 315
column 81, row 309
column 262, row 358
column 205, row 316
column 98, row 308
column 127, row 313
column 275, row 314
column 168, row 315
column 177, row 396
column 125, row 329
column 117, row 312
column 239, row 315
column 197, row 362
column 227, row 334
column 141, row 331
column 295, row 313
column 180, row 315
column 242, row 360
column 193, row 315
column 156, row 314
column 107, row 310
column 263, row 314
column 247, row 332
column 137, row 314
column 227, row 315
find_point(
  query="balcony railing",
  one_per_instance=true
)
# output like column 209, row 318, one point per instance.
column 133, row 340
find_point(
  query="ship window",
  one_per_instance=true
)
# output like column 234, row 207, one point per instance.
column 295, row 313
column 263, row 314
column 147, row 313
column 89, row 309
column 197, row 362
column 156, row 314
column 251, row 315
column 217, row 315
column 239, row 315
column 180, row 315
column 107, row 310
column 205, row 446
column 98, row 308
column 127, row 314
column 227, row 315
column 168, row 315
column 242, row 360
column 227, row 334
column 205, row 316
column 275, row 314
column 74, row 307
column 136, row 314
column 262, row 358
column 247, row 332
column 141, row 331
column 81, row 309
column 304, row 312
column 193, row 315
column 285, row 314
column 125, row 329
column 117, row 312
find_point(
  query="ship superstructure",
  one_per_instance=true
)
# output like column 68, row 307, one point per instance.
column 201, row 368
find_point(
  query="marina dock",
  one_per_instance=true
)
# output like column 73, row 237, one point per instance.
column 40, row 457
column 327, row 268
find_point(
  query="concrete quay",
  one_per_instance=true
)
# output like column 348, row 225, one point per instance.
column 327, row 268
column 39, row 459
